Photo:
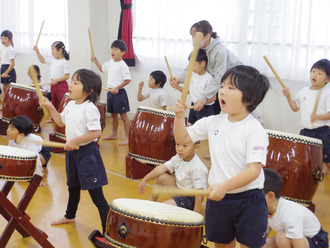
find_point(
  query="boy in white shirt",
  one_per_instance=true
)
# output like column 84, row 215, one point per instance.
column 118, row 77
column 236, row 208
column 157, row 94
column 295, row 225
column 190, row 173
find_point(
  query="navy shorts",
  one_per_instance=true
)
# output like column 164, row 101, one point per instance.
column 320, row 240
column 85, row 167
column 322, row 133
column 185, row 202
column 242, row 216
column 45, row 152
column 12, row 75
column 196, row 115
column 118, row 104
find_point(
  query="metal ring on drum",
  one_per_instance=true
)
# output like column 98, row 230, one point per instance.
column 298, row 159
column 141, row 223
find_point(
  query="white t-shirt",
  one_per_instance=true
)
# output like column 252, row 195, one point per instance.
column 306, row 99
column 43, row 87
column 118, row 72
column 58, row 67
column 257, row 114
column 7, row 53
column 80, row 119
column 232, row 146
column 188, row 175
column 28, row 144
column 296, row 220
column 198, row 85
column 158, row 97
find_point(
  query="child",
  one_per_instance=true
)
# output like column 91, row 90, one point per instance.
column 295, row 225
column 238, row 147
column 84, row 167
column 200, row 78
column 40, row 80
column 156, row 93
column 19, row 133
column 315, row 125
column 118, row 78
column 59, row 72
column 8, row 54
column 190, row 173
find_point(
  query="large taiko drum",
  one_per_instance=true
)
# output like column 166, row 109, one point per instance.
column 151, row 138
column 16, row 164
column 141, row 223
column 60, row 131
column 298, row 159
column 22, row 100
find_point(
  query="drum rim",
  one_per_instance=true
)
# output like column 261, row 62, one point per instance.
column 25, row 87
column 15, row 178
column 29, row 155
column 294, row 137
column 156, row 111
column 115, row 242
column 148, row 217
column 147, row 160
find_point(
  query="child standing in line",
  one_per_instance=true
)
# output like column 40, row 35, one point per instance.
column 190, row 173
column 19, row 133
column 8, row 55
column 200, row 78
column 40, row 80
column 315, row 125
column 118, row 77
column 238, row 147
column 157, row 94
column 84, row 167
column 295, row 225
column 59, row 72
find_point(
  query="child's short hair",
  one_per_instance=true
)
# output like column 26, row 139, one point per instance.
column 201, row 56
column 22, row 123
column 91, row 83
column 273, row 182
column 197, row 142
column 322, row 64
column 120, row 44
column 250, row 82
column 160, row 77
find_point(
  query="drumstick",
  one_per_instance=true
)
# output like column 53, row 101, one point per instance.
column 169, row 70
column 275, row 73
column 54, row 144
column 192, row 60
column 171, row 108
column 42, row 25
column 175, row 191
column 33, row 74
column 3, row 76
column 103, row 88
column 40, row 84
column 90, row 40
column 316, row 102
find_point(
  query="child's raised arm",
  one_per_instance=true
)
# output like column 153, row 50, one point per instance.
column 53, row 112
column 179, row 127
column 41, row 59
column 156, row 172
column 292, row 103
column 140, row 97
column 97, row 63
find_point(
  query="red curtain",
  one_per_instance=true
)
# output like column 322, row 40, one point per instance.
column 125, row 30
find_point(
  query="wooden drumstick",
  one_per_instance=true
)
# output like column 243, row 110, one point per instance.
column 90, row 40
column 4, row 77
column 316, row 102
column 171, row 108
column 175, row 191
column 169, row 70
column 192, row 60
column 54, row 144
column 40, row 84
column 275, row 73
column 33, row 74
column 42, row 25
column 103, row 88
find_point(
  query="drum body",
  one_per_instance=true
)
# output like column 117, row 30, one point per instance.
column 16, row 164
column 151, row 138
column 22, row 100
column 60, row 131
column 141, row 223
column 298, row 159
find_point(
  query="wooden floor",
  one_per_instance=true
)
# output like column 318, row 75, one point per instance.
column 50, row 203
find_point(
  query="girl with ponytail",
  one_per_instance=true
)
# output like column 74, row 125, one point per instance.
column 59, row 71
